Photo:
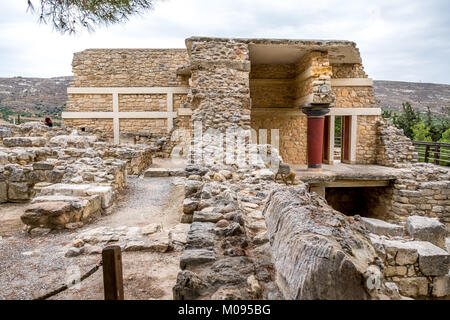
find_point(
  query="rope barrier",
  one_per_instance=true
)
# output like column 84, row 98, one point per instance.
column 65, row 287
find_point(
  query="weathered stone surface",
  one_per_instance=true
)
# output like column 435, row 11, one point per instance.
column 189, row 286
column 318, row 254
column 191, row 187
column 433, row 261
column 427, row 229
column 441, row 286
column 412, row 287
column 194, row 257
column 43, row 166
column 381, row 227
column 3, row 192
column 24, row 142
column 189, row 206
column 200, row 235
column 202, row 216
column 18, row 191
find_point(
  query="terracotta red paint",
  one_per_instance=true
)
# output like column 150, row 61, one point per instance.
column 315, row 141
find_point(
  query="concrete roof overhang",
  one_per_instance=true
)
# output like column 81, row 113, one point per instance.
column 282, row 51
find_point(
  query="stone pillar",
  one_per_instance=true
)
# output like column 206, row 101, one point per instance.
column 316, row 117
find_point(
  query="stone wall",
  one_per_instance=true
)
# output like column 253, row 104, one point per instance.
column 366, row 142
column 292, row 134
column 354, row 97
column 424, row 190
column 89, row 102
column 347, row 70
column 219, row 95
column 128, row 68
column 393, row 147
column 317, row 82
column 142, row 102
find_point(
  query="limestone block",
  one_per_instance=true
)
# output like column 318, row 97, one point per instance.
column 427, row 229
column 441, row 286
column 105, row 193
column 24, row 142
column 433, row 261
column 412, row 287
column 194, row 257
column 381, row 227
column 18, row 191
column 3, row 192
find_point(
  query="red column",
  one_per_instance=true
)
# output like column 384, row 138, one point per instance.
column 315, row 142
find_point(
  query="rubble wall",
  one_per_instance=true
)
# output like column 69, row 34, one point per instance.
column 393, row 147
column 423, row 190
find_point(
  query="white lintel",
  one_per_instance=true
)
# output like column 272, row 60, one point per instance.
column 126, row 90
column 352, row 82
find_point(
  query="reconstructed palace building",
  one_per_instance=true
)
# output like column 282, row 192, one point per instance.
column 299, row 87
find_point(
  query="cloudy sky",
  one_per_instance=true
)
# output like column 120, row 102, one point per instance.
column 406, row 40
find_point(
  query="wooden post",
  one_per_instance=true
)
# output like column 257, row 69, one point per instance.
column 112, row 273
column 436, row 154
column 18, row 119
column 427, row 151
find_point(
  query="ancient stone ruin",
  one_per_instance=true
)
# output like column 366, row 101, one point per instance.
column 247, row 127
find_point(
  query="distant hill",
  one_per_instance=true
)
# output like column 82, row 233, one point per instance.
column 391, row 94
column 33, row 96
column 47, row 96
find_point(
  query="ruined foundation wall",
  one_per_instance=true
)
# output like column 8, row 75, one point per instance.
column 393, row 147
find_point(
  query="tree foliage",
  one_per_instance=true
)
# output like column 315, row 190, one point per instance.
column 406, row 119
column 69, row 16
column 421, row 132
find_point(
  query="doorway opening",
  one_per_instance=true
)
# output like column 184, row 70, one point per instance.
column 371, row 202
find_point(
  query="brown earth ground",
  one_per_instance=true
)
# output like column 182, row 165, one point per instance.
column 31, row 266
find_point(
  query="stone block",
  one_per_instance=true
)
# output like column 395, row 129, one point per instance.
column 441, row 286
column 18, row 191
column 433, row 261
column 194, row 257
column 381, row 227
column 3, row 192
column 412, row 287
column 427, row 229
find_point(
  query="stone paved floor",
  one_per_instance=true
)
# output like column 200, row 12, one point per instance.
column 31, row 266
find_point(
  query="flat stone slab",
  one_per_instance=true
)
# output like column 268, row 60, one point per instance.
column 381, row 227
column 194, row 257
column 24, row 142
column 427, row 229
column 164, row 172
column 105, row 192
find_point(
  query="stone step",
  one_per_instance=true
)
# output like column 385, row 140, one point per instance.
column 104, row 192
column 381, row 227
column 164, row 172
column 58, row 212
column 427, row 229
column 432, row 260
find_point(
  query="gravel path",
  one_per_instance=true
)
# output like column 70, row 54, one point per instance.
column 31, row 266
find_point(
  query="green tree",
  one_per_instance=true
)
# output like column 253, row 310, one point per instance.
column 420, row 132
column 71, row 15
column 407, row 119
column 445, row 136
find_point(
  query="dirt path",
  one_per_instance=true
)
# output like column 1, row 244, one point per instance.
column 31, row 266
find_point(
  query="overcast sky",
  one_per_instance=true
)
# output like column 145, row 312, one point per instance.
column 405, row 40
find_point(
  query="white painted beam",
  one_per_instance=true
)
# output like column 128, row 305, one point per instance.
column 352, row 82
column 120, row 115
column 126, row 90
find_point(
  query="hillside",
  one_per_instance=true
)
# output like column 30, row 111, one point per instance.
column 33, row 96
column 391, row 94
column 47, row 96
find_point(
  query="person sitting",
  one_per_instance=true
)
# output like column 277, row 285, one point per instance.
column 48, row 122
